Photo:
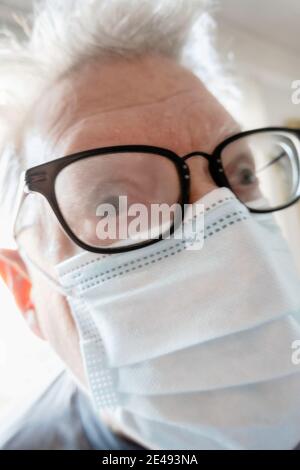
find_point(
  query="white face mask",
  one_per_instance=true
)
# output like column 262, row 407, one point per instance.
column 191, row 349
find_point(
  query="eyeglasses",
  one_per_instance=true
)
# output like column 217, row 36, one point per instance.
column 261, row 167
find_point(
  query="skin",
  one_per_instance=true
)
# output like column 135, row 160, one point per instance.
column 147, row 100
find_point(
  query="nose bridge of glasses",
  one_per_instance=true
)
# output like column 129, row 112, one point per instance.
column 196, row 154
column 191, row 159
column 202, row 181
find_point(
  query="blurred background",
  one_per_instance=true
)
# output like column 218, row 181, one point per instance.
column 259, row 39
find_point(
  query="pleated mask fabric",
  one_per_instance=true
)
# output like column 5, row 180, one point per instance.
column 191, row 349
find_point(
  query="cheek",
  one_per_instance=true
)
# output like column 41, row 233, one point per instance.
column 46, row 244
column 57, row 325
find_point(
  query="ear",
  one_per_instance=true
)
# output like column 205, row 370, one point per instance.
column 15, row 275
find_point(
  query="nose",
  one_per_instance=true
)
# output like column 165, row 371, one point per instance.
column 201, row 179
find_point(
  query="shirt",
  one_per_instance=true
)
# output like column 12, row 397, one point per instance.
column 61, row 418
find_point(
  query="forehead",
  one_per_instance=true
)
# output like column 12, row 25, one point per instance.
column 150, row 100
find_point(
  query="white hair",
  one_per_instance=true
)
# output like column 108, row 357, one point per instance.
column 63, row 33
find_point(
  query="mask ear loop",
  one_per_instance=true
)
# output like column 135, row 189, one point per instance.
column 65, row 291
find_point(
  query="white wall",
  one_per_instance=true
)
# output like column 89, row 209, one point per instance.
column 265, row 71
column 269, row 66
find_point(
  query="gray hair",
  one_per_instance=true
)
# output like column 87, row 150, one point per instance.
column 63, row 33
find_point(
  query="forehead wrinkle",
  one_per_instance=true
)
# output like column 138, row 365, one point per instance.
column 168, row 108
column 114, row 85
column 73, row 105
column 80, row 114
column 146, row 103
column 182, row 127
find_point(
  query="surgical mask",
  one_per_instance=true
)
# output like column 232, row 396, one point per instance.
column 191, row 349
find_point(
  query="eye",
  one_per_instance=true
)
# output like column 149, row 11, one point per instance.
column 113, row 201
column 241, row 170
column 246, row 176
column 242, row 176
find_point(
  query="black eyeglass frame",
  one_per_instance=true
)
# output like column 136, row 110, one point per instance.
column 41, row 179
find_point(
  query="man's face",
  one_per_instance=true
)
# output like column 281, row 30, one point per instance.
column 150, row 101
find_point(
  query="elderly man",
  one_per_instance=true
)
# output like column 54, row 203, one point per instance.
column 170, row 342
